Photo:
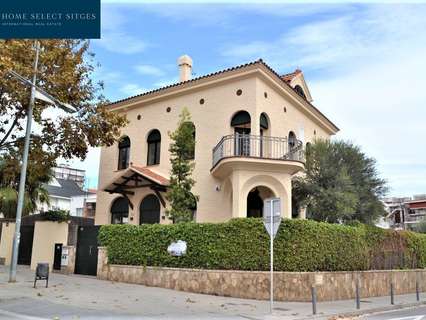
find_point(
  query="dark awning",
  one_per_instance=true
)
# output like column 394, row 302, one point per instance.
column 242, row 117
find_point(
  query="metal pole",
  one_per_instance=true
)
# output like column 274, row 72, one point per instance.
column 358, row 300
column 314, row 300
column 272, row 259
column 21, row 193
column 391, row 292
column 417, row 291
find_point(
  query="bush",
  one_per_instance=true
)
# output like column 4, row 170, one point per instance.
column 243, row 244
column 55, row 215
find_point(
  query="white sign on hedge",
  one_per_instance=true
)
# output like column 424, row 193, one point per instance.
column 177, row 249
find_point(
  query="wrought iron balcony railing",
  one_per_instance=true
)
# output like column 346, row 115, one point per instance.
column 263, row 147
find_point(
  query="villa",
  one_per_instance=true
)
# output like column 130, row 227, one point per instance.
column 251, row 128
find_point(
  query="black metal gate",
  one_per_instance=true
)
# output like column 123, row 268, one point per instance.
column 26, row 245
column 86, row 261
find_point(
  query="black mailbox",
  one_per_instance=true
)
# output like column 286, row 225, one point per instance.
column 42, row 273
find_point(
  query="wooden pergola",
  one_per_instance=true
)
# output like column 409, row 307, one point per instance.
column 136, row 177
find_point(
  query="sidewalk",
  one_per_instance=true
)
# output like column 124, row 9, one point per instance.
column 74, row 296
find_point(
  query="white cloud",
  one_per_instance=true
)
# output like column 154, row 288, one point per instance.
column 166, row 82
column 378, row 100
column 149, row 70
column 121, row 42
column 132, row 89
column 115, row 37
column 347, row 41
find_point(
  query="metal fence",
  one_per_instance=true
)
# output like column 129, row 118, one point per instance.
column 253, row 146
column 389, row 260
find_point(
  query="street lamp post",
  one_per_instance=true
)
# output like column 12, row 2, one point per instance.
column 21, row 192
column 36, row 93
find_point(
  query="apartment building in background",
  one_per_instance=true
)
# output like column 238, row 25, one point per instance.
column 66, row 193
column 405, row 213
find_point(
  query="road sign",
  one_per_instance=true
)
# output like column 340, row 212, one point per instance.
column 272, row 215
column 271, row 221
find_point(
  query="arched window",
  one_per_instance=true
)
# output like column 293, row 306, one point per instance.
column 149, row 211
column 264, row 123
column 291, row 140
column 154, row 146
column 264, row 126
column 123, row 153
column 191, row 147
column 120, row 211
column 300, row 91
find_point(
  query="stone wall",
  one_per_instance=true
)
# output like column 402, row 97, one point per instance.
column 289, row 286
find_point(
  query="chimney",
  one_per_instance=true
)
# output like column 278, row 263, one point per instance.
column 185, row 68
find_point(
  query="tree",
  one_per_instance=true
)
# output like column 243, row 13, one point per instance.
column 38, row 174
column 341, row 184
column 182, row 200
column 65, row 71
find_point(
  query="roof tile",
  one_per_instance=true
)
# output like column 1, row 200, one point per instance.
column 149, row 174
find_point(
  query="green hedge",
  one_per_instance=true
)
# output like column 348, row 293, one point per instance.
column 243, row 244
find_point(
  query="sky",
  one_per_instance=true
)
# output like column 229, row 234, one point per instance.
column 365, row 65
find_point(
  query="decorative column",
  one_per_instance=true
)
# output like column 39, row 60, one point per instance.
column 239, row 204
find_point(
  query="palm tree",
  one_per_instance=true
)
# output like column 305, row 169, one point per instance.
column 38, row 174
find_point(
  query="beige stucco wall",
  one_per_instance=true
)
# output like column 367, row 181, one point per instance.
column 46, row 234
column 212, row 122
column 6, row 241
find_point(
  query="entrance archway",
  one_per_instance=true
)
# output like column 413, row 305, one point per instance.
column 255, row 200
column 149, row 210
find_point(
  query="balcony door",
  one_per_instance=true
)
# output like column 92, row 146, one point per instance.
column 242, row 142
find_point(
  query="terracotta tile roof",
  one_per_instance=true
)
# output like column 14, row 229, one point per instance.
column 178, row 84
column 289, row 76
column 150, row 175
column 242, row 66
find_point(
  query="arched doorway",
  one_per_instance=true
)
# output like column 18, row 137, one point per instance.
column 241, row 122
column 255, row 200
column 149, row 210
column 120, row 211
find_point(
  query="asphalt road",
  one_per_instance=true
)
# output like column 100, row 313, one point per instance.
column 418, row 313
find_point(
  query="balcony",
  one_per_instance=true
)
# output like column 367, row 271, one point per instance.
column 258, row 150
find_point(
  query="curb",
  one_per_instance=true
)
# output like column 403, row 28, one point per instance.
column 375, row 310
